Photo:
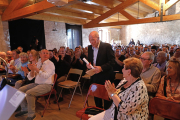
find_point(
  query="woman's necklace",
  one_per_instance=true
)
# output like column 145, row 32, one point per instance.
column 172, row 94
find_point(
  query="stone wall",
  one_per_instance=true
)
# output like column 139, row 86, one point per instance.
column 154, row 33
column 55, row 39
column 4, row 36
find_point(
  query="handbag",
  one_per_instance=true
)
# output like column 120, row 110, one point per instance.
column 4, row 82
column 93, row 111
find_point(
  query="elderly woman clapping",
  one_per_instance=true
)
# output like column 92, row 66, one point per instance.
column 130, row 98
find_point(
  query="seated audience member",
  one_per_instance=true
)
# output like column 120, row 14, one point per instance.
column 177, row 54
column 34, row 45
column 119, row 61
column 28, row 52
column 20, row 49
column 171, row 82
column 70, row 53
column 15, row 62
column 132, row 42
column 161, row 62
column 130, row 98
column 86, row 53
column 167, row 52
column 150, row 74
column 2, row 64
column 33, row 58
column 127, row 54
column 62, row 67
column 77, row 60
column 18, row 70
column 9, row 56
column 55, row 52
column 132, row 52
column 171, row 51
column 139, row 51
column 138, row 43
column 52, row 58
column 154, row 50
column 43, row 73
column 145, row 49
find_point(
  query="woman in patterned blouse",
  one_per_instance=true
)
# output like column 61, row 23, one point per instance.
column 130, row 97
column 171, row 82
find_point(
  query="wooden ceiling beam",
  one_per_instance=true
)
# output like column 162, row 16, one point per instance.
column 1, row 12
column 127, row 15
column 107, row 3
column 121, row 0
column 4, row 3
column 143, row 7
column 170, row 3
column 137, row 21
column 65, row 19
column 151, row 4
column 171, row 17
column 87, row 7
column 134, row 12
column 26, row 11
column 114, row 10
column 129, row 22
column 68, row 13
column 14, row 5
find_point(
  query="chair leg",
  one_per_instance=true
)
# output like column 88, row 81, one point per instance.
column 81, row 91
column 59, row 94
column 47, row 103
column 57, row 100
column 72, row 96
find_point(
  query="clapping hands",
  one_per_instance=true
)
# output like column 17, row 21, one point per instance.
column 24, row 69
column 110, row 87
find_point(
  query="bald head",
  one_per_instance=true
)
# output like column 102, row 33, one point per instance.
column 94, row 39
column 9, row 55
column 3, row 55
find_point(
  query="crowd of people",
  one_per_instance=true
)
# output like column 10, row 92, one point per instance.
column 146, row 69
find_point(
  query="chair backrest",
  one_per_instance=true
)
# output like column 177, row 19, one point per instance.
column 97, row 90
column 118, row 76
column 75, row 71
column 165, row 108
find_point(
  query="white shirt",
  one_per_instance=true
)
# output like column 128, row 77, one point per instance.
column 95, row 52
column 46, row 73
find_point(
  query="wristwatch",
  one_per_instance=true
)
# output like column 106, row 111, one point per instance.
column 113, row 94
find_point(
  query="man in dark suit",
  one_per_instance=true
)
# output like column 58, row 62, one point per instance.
column 102, row 58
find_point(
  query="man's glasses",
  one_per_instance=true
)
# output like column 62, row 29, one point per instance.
column 143, row 58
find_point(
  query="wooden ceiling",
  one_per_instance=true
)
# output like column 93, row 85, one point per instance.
column 97, row 13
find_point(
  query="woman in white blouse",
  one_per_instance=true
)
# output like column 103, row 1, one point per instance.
column 130, row 98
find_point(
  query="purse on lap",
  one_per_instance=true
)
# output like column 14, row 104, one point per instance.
column 93, row 111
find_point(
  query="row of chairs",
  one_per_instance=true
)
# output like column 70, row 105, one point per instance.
column 69, row 84
column 158, row 106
